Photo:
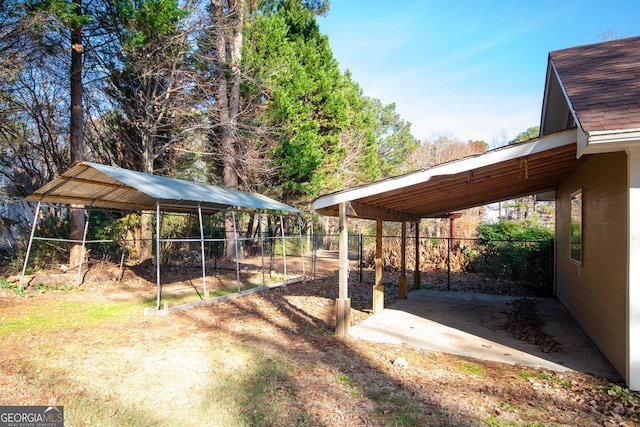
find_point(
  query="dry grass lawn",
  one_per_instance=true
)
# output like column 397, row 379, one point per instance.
column 267, row 359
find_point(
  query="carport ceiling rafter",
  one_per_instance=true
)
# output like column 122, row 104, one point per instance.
column 517, row 170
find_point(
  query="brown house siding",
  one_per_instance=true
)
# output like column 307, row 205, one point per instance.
column 595, row 290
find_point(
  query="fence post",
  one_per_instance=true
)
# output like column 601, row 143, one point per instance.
column 402, row 291
column 416, row 269
column 449, row 264
column 360, row 251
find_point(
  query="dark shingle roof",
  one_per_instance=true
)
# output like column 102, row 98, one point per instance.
column 603, row 83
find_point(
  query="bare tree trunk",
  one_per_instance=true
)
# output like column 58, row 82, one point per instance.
column 229, row 15
column 76, row 133
column 146, row 223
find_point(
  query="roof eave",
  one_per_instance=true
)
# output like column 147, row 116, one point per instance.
column 606, row 141
column 327, row 205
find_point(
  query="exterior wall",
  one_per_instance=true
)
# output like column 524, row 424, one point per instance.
column 594, row 291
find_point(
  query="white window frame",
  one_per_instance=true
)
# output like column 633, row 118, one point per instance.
column 576, row 216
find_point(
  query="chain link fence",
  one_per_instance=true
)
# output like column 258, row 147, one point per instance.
column 529, row 264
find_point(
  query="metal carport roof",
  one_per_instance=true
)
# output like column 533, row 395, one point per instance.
column 531, row 167
column 100, row 186
column 96, row 185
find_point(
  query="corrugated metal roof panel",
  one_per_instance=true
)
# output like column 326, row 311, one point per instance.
column 113, row 187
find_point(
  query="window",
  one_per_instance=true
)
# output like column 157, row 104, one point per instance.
column 576, row 226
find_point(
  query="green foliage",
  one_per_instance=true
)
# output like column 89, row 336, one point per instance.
column 306, row 100
column 394, row 138
column 146, row 20
column 291, row 245
column 180, row 226
column 472, row 369
column 406, row 416
column 326, row 134
column 516, row 250
column 14, row 287
column 512, row 230
column 66, row 12
column 532, row 132
column 43, row 251
column 623, row 394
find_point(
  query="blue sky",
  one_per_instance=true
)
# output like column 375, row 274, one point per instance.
column 465, row 69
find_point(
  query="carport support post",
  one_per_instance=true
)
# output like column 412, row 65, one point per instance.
column 633, row 280
column 378, row 288
column 158, row 288
column 402, row 291
column 204, row 263
column 235, row 240
column 33, row 232
column 84, row 243
column 416, row 269
column 284, row 248
column 343, row 303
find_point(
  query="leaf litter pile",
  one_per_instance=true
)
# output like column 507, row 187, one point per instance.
column 271, row 358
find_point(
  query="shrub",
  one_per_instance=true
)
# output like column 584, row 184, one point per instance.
column 515, row 250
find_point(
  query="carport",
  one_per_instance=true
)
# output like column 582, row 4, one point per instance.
column 91, row 185
column 533, row 167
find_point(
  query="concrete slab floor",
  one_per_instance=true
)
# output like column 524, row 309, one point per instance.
column 469, row 324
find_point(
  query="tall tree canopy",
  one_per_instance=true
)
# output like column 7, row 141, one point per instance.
column 241, row 93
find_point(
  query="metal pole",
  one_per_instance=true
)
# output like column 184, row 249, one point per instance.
column 158, row 287
column 360, row 249
column 416, row 270
column 120, row 272
column 301, row 246
column 235, row 237
column 449, row 263
column 26, row 258
column 402, row 291
column 84, row 239
column 284, row 248
column 204, row 267
column 261, row 244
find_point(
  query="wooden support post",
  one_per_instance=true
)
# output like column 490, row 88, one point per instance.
column 416, row 270
column 343, row 316
column 343, row 303
column 402, row 290
column 378, row 288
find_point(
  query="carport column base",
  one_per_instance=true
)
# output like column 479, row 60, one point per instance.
column 378, row 299
column 343, row 316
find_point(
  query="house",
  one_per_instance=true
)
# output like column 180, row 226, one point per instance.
column 587, row 158
column 595, row 89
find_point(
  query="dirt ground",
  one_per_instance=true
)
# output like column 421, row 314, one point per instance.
column 327, row 380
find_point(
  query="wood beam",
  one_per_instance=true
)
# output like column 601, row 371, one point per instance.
column 362, row 210
column 402, row 289
column 378, row 288
column 343, row 303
